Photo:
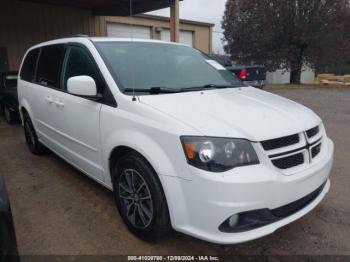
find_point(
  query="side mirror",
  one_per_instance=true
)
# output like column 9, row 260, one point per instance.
column 82, row 86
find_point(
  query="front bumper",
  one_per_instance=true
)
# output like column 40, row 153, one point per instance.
column 200, row 206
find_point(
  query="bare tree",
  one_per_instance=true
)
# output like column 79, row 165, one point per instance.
column 288, row 34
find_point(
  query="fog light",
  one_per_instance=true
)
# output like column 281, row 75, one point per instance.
column 233, row 220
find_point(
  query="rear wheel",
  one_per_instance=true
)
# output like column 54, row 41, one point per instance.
column 31, row 137
column 140, row 198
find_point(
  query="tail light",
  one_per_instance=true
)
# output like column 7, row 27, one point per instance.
column 243, row 74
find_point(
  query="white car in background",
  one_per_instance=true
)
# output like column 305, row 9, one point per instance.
column 176, row 137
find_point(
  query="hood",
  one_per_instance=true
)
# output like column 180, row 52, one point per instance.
column 244, row 112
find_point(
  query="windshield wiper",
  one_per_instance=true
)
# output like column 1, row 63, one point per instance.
column 209, row 86
column 167, row 90
column 153, row 90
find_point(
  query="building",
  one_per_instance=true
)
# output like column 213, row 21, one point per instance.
column 24, row 23
column 193, row 33
column 282, row 76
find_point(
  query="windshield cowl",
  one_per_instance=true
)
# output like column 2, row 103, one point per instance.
column 167, row 90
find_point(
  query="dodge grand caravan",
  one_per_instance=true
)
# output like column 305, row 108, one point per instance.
column 179, row 140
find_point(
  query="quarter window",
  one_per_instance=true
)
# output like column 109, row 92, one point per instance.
column 50, row 61
column 29, row 64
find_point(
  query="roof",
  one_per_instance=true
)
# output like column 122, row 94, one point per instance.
column 183, row 21
column 111, row 7
column 137, row 40
column 86, row 40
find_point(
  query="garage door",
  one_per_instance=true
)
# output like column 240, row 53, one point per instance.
column 186, row 37
column 128, row 31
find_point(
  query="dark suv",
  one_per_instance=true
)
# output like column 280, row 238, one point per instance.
column 251, row 75
column 8, row 96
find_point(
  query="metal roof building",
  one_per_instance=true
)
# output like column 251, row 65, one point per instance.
column 24, row 23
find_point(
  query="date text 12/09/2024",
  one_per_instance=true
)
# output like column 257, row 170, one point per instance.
column 173, row 258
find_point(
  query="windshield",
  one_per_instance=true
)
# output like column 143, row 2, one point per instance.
column 143, row 65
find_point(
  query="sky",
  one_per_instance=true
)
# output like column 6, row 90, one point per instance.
column 210, row 11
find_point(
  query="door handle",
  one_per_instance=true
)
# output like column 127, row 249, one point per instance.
column 49, row 100
column 59, row 103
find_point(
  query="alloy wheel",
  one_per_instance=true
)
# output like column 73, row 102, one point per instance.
column 136, row 199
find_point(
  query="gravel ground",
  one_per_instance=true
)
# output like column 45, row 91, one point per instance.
column 57, row 210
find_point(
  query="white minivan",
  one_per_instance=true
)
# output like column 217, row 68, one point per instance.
column 180, row 141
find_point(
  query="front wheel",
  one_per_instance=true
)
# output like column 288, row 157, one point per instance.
column 140, row 198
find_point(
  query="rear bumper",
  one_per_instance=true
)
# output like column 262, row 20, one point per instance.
column 199, row 207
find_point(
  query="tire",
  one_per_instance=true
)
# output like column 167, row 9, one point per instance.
column 146, row 212
column 35, row 147
column 8, row 116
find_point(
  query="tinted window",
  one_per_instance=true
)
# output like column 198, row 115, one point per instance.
column 49, row 65
column 29, row 64
column 80, row 63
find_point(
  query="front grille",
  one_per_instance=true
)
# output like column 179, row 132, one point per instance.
column 316, row 150
column 288, row 156
column 280, row 142
column 313, row 132
column 289, row 161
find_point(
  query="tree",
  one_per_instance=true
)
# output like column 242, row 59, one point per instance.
column 288, row 34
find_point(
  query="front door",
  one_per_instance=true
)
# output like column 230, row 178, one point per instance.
column 80, row 117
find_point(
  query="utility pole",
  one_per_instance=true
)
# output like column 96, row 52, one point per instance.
column 174, row 20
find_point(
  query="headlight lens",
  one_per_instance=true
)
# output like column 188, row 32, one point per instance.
column 206, row 151
column 218, row 154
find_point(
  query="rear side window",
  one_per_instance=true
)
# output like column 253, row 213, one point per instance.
column 49, row 65
column 29, row 64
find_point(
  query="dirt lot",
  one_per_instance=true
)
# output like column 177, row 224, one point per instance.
column 58, row 210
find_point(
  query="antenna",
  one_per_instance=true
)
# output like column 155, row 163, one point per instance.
column 132, row 41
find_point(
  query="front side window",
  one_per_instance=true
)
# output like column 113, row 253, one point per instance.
column 142, row 65
column 29, row 65
column 80, row 63
column 49, row 65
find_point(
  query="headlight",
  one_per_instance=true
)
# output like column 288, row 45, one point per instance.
column 218, row 154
